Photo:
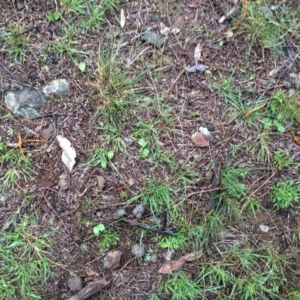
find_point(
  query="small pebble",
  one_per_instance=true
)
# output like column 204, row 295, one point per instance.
column 75, row 283
column 297, row 83
column 287, row 84
column 169, row 255
column 199, row 68
column 267, row 12
column 20, row 6
column 210, row 127
column 100, row 182
column 139, row 210
column 56, row 87
column 131, row 181
column 120, row 213
column 155, row 18
column 84, row 247
column 204, row 130
column 209, row 175
column 138, row 250
column 63, row 182
column 138, row 216
column 128, row 140
column 154, row 258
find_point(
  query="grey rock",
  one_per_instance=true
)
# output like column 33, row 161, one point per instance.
column 210, row 127
column 154, row 220
column 267, row 12
column 138, row 250
column 138, row 210
column 26, row 103
column 75, row 283
column 56, row 87
column 209, row 175
column 84, row 247
column 199, row 68
column 3, row 86
column 3, row 197
column 63, row 182
column 138, row 216
column 297, row 83
column 155, row 18
column 287, row 84
column 291, row 93
column 155, row 39
column 120, row 213
column 154, row 258
column 20, row 6
column 128, row 140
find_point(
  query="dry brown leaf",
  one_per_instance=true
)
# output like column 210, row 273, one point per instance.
column 69, row 154
column 91, row 273
column 176, row 265
column 199, row 140
column 112, row 259
column 197, row 53
column 123, row 18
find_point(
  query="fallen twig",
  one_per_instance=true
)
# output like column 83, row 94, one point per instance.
column 163, row 231
column 216, row 181
column 89, row 290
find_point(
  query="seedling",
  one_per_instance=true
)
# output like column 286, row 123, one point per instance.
column 282, row 159
column 15, row 43
column 53, row 17
column 145, row 150
column 180, row 286
column 108, row 238
column 25, row 262
column 285, row 194
column 174, row 242
column 101, row 157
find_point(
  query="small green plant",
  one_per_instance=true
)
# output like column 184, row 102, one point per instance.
column 15, row 43
column 101, row 157
column 74, row 6
column 276, row 118
column 285, row 194
column 53, row 17
column 157, row 196
column 20, row 166
column 115, row 84
column 267, row 28
column 144, row 152
column 108, row 238
column 25, row 263
column 282, row 159
column 174, row 242
column 180, row 286
column 231, row 180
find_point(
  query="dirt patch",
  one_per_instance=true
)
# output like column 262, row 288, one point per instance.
column 130, row 113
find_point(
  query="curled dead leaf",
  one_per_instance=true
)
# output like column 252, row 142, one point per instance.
column 164, row 30
column 91, row 273
column 176, row 265
column 199, row 140
column 197, row 53
column 69, row 154
column 123, row 18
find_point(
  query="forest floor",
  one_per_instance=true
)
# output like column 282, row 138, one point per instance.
column 210, row 157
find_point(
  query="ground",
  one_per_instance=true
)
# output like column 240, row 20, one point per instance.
column 131, row 113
